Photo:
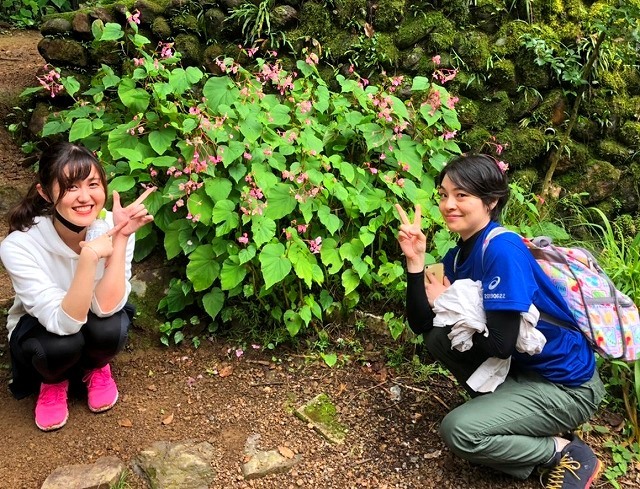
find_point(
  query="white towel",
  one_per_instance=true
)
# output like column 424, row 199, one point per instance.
column 461, row 306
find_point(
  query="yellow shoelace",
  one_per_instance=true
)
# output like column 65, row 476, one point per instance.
column 555, row 476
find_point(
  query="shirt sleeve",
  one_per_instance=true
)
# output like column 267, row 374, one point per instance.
column 40, row 296
column 95, row 307
column 419, row 313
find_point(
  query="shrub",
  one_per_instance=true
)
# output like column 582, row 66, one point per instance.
column 272, row 189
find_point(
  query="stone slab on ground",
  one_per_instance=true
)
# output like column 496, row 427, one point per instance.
column 102, row 474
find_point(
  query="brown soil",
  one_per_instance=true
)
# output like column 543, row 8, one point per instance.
column 208, row 394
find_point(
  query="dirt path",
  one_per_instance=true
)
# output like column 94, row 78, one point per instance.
column 179, row 394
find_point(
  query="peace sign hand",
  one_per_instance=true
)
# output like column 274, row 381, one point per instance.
column 412, row 240
column 132, row 217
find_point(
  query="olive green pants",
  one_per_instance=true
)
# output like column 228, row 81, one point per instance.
column 512, row 428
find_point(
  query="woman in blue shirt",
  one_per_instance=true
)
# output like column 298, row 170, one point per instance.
column 523, row 424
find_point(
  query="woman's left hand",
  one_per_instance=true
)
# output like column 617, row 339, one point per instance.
column 134, row 216
column 433, row 287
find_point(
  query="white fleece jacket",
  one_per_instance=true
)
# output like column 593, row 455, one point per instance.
column 41, row 267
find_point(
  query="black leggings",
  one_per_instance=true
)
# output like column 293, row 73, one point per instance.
column 38, row 354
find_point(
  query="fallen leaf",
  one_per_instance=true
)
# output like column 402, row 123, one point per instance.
column 125, row 423
column 225, row 371
column 286, row 452
column 368, row 30
column 341, row 389
column 168, row 420
column 434, row 454
column 152, row 387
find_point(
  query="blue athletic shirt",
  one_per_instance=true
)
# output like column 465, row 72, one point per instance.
column 512, row 280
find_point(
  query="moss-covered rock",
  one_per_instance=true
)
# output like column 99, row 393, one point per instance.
column 315, row 21
column 189, row 46
column 613, row 152
column 55, row 26
column 628, row 190
column 63, row 52
column 524, row 103
column 473, row 48
column 106, row 52
column 475, row 139
column 469, row 84
column 468, row 112
column 149, row 9
column 530, row 74
column 503, row 75
column 433, row 25
column 495, row 110
column 348, row 12
column 598, row 180
column 184, row 23
column 388, row 14
column 585, row 129
column 524, row 146
column 209, row 56
column 553, row 109
column 527, row 178
column 626, row 107
column 631, row 76
column 509, row 39
column 213, row 23
column 629, row 134
column 283, row 16
column 161, row 28
column 574, row 159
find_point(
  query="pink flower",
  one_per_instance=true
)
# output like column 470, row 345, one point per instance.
column 315, row 245
column 244, row 239
column 436, row 59
column 134, row 18
column 449, row 135
column 503, row 166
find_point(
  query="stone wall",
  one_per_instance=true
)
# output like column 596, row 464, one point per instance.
column 505, row 96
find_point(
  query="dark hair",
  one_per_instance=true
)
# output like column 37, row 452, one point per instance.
column 62, row 163
column 480, row 175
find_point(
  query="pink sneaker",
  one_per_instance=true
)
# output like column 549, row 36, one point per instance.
column 101, row 389
column 51, row 407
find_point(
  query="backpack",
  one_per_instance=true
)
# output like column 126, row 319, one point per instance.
column 608, row 318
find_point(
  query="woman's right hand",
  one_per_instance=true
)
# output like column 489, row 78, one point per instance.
column 102, row 246
column 412, row 240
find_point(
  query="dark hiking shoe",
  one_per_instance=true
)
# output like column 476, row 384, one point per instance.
column 576, row 467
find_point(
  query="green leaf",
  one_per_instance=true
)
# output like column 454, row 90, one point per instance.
column 122, row 183
column 329, row 358
column 111, row 32
column 247, row 254
column 420, row 83
column 134, row 98
column 293, row 322
column 329, row 220
column 71, row 85
column 201, row 206
column 177, row 233
column 213, row 302
column 275, row 265
column 232, row 273
column 161, row 140
column 218, row 188
column 280, row 201
column 203, row 268
column 224, row 213
column 350, row 281
column 81, row 129
column 219, row 90
column 263, row 229
column 330, row 256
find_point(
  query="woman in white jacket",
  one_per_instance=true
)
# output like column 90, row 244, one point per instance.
column 70, row 315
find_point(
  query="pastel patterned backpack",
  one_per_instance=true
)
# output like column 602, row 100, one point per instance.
column 608, row 318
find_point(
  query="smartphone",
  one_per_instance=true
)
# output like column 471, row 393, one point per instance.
column 438, row 270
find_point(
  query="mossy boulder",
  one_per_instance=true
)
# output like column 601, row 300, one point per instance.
column 585, row 129
column 476, row 138
column 509, row 38
column 469, row 84
column 415, row 60
column 468, row 112
column 209, row 56
column 55, row 26
column 626, row 107
column 283, row 16
column 575, row 158
column 388, row 14
column 613, row 152
column 629, row 134
column 527, row 178
column 189, row 46
column 63, row 52
column 432, row 25
column 149, row 10
column 349, row 11
column 315, row 21
column 524, row 103
column 473, row 47
column 161, row 28
column 628, row 190
column 495, row 110
column 553, row 109
column 106, row 52
column 631, row 76
column 213, row 23
column 530, row 74
column 184, row 23
column 503, row 75
column 524, row 146
column 598, row 180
